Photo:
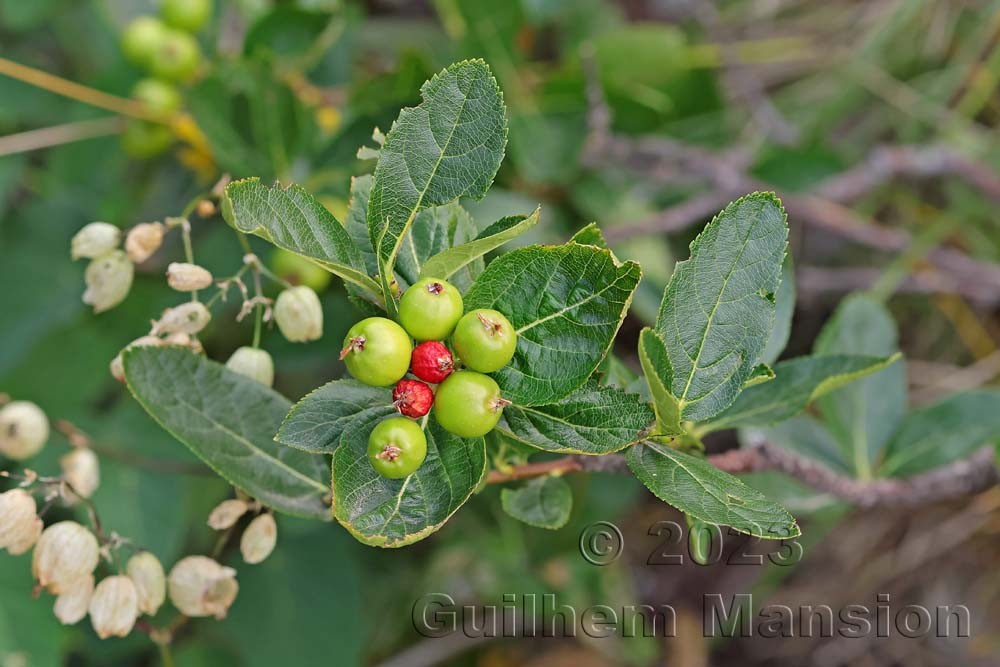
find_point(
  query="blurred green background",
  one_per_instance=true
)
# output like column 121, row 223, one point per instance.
column 785, row 93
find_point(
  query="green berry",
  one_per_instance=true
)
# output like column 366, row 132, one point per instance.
column 159, row 96
column 177, row 56
column 468, row 404
column 144, row 140
column 484, row 340
column 377, row 351
column 298, row 270
column 396, row 447
column 430, row 309
column 141, row 39
column 189, row 15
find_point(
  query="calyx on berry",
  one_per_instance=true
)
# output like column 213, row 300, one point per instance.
column 412, row 398
column 430, row 308
column 431, row 362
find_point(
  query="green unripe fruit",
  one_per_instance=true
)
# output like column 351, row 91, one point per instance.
column 141, row 39
column 159, row 96
column 177, row 56
column 189, row 15
column 468, row 404
column 142, row 139
column 397, row 447
column 298, row 270
column 484, row 340
column 377, row 351
column 430, row 309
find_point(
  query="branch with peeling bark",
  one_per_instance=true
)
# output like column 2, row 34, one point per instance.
column 958, row 479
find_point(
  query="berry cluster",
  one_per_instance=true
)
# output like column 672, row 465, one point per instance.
column 166, row 48
column 466, row 402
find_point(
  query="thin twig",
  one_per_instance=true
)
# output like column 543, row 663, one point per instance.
column 79, row 92
column 967, row 476
column 58, row 135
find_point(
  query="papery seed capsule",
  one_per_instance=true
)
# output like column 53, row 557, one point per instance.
column 65, row 552
column 299, row 314
column 116, row 366
column 81, row 469
column 259, row 539
column 143, row 240
column 19, row 522
column 188, row 318
column 114, row 606
column 185, row 277
column 24, row 430
column 109, row 279
column 254, row 363
column 199, row 586
column 71, row 606
column 94, row 240
column 146, row 572
column 227, row 513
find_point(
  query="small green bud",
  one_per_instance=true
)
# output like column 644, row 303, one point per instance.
column 254, row 363
column 299, row 314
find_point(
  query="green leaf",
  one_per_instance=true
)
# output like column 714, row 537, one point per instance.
column 696, row 487
column 659, row 377
column 435, row 231
column 291, row 218
column 718, row 309
column 448, row 262
column 797, row 383
column 863, row 417
column 229, row 421
column 317, row 422
column 802, row 435
column 544, row 502
column 784, row 310
column 941, row 433
column 761, row 373
column 449, row 146
column 396, row 512
column 591, row 420
column 590, row 235
column 566, row 304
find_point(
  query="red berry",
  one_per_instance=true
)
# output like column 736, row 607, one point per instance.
column 412, row 398
column 431, row 362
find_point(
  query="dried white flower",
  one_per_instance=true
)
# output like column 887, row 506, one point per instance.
column 109, row 279
column 114, row 607
column 199, row 586
column 143, row 240
column 72, row 605
column 150, row 582
column 65, row 552
column 116, row 366
column 187, row 318
column 254, row 363
column 185, row 340
column 185, row 277
column 23, row 541
column 81, row 469
column 94, row 240
column 227, row 513
column 24, row 429
column 299, row 314
column 19, row 522
column 259, row 539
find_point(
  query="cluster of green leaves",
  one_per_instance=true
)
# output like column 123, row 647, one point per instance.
column 705, row 361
